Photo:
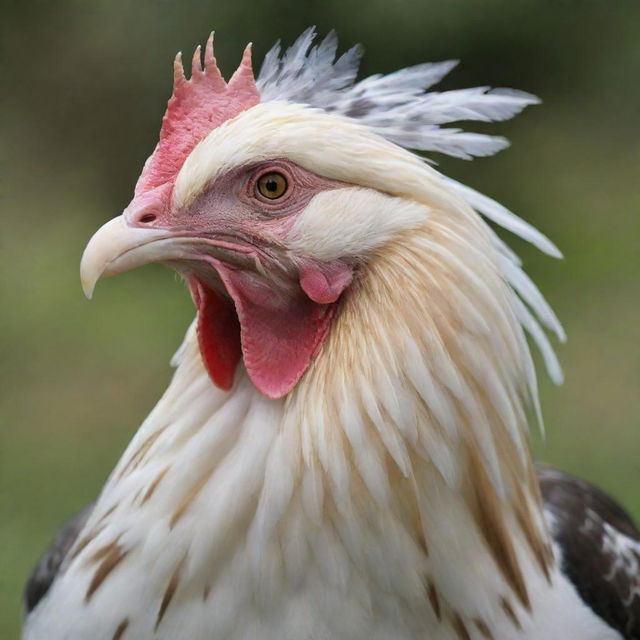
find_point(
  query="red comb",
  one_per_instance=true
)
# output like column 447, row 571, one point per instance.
column 196, row 107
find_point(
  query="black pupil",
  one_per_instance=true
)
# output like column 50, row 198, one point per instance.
column 272, row 185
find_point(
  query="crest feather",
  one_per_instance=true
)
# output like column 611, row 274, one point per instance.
column 397, row 105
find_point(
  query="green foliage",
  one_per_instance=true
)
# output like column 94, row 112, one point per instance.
column 84, row 87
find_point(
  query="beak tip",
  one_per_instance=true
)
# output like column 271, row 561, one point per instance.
column 88, row 286
column 87, row 289
column 88, row 277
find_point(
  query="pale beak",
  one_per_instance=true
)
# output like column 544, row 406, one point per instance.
column 117, row 247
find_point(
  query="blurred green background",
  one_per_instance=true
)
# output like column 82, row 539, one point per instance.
column 84, row 85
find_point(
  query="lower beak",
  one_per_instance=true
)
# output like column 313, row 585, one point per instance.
column 117, row 247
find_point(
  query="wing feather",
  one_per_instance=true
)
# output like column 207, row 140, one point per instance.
column 600, row 548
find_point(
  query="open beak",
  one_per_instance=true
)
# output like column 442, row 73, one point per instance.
column 117, row 247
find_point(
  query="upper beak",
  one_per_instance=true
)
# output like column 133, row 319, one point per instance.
column 117, row 247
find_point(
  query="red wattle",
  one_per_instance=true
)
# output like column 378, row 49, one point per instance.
column 280, row 333
column 276, row 330
column 218, row 335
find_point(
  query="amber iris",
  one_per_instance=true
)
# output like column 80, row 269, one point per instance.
column 272, row 185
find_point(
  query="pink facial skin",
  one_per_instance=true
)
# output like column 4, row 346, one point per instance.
column 284, row 303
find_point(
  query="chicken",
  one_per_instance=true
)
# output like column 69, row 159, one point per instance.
column 343, row 450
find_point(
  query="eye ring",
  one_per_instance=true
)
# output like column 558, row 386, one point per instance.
column 272, row 185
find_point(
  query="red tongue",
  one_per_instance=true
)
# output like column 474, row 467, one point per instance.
column 279, row 335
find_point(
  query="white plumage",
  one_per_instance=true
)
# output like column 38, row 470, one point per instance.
column 391, row 493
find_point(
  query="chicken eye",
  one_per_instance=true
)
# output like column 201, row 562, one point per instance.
column 272, row 185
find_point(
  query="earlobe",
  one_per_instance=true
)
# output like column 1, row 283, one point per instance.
column 324, row 282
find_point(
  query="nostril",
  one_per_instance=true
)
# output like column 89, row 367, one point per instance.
column 147, row 218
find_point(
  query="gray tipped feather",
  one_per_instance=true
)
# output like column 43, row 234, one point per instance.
column 395, row 105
